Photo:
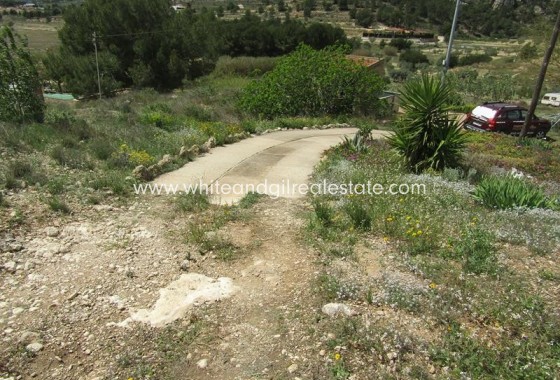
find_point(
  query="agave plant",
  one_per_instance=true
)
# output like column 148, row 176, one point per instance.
column 426, row 136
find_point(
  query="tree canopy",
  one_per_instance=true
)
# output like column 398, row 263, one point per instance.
column 145, row 43
column 20, row 96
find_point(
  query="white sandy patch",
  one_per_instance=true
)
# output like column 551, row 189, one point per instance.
column 181, row 295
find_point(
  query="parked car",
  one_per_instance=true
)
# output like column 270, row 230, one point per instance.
column 552, row 99
column 504, row 118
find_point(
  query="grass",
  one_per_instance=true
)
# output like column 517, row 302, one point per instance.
column 41, row 36
column 58, row 205
column 249, row 200
column 192, row 202
column 538, row 158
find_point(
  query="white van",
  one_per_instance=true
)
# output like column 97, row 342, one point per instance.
column 552, row 99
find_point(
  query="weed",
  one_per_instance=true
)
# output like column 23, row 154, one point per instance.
column 101, row 149
column 58, row 205
column 71, row 158
column 16, row 219
column 198, row 112
column 243, row 66
column 126, row 157
column 476, row 248
column 192, row 202
column 549, row 276
column 112, row 180
column 93, row 200
column 403, row 298
column 359, row 215
column 338, row 369
column 22, row 169
column 328, row 287
column 323, row 212
column 55, row 186
column 159, row 115
column 249, row 200
column 331, row 287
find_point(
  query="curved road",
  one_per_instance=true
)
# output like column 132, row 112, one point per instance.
column 275, row 164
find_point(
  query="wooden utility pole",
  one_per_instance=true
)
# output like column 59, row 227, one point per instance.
column 542, row 75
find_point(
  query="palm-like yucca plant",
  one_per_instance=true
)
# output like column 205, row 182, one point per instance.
column 426, row 136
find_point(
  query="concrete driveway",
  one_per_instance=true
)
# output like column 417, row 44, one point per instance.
column 276, row 164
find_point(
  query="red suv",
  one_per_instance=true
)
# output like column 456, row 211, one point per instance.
column 504, row 118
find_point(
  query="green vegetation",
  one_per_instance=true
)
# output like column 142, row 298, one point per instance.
column 539, row 158
column 181, row 45
column 426, row 136
column 448, row 265
column 313, row 83
column 506, row 192
column 192, row 202
column 249, row 200
column 19, row 83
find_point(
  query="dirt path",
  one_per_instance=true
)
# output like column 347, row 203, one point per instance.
column 66, row 284
column 259, row 331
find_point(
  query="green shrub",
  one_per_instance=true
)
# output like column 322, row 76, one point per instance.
column 505, row 192
column 312, row 83
column 126, row 157
column 71, row 158
column 22, row 170
column 158, row 115
column 426, row 136
column 55, row 186
column 356, row 144
column 528, row 51
column 359, row 215
column 250, row 199
column 59, row 118
column 414, row 57
column 58, row 205
column 471, row 59
column 192, row 202
column 198, row 112
column 324, row 212
column 19, row 100
column 101, row 149
column 476, row 249
column 111, row 180
column 400, row 43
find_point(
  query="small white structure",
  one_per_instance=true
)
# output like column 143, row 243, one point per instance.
column 178, row 7
column 552, row 99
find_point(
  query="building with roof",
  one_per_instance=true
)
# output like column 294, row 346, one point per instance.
column 372, row 63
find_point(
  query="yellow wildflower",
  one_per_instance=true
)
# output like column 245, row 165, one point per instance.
column 337, row 356
column 433, row 285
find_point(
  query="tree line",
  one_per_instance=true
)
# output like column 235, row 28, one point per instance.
column 478, row 17
column 145, row 43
